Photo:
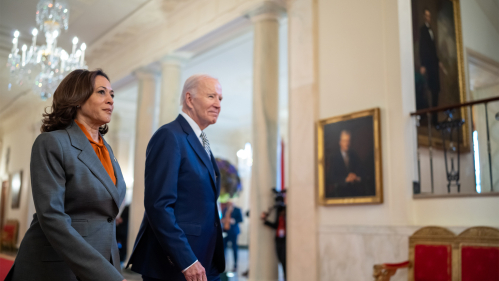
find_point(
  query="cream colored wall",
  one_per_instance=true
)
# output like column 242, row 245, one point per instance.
column 478, row 32
column 361, row 67
column 481, row 36
column 20, row 126
column 365, row 60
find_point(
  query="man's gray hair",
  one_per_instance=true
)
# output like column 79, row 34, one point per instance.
column 191, row 85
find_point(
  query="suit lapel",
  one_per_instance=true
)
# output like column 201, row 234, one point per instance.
column 197, row 147
column 120, row 181
column 90, row 159
column 217, row 174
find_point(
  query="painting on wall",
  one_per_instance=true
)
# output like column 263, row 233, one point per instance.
column 3, row 202
column 349, row 159
column 15, row 189
column 438, row 64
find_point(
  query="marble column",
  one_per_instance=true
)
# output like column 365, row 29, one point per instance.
column 302, row 242
column 144, row 129
column 265, row 18
column 171, row 86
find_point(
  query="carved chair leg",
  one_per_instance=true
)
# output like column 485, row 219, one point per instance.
column 381, row 273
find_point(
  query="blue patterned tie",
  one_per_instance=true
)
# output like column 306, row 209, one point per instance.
column 206, row 143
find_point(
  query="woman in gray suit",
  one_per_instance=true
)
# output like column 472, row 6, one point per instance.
column 77, row 188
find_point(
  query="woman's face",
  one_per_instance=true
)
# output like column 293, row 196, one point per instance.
column 99, row 107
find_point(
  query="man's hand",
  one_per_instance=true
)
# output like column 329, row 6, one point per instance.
column 352, row 177
column 442, row 67
column 264, row 216
column 422, row 69
column 195, row 273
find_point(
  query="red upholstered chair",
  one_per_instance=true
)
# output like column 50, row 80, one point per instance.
column 478, row 257
column 430, row 257
column 433, row 262
column 9, row 234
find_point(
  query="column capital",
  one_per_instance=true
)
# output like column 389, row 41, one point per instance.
column 267, row 10
column 145, row 73
column 176, row 58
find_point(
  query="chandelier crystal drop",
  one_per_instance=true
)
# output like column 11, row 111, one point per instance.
column 45, row 66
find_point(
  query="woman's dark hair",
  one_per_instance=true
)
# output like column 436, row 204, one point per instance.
column 74, row 90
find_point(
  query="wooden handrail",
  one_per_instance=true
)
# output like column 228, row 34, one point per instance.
column 447, row 107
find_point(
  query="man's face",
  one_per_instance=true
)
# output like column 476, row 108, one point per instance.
column 344, row 142
column 427, row 17
column 207, row 102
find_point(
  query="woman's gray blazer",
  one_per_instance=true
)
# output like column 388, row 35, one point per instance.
column 73, row 233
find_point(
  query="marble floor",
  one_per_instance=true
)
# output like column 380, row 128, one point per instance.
column 231, row 276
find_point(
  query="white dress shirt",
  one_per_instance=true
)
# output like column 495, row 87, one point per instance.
column 429, row 30
column 344, row 154
column 195, row 128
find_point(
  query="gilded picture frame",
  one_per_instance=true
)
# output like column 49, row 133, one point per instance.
column 449, row 86
column 349, row 159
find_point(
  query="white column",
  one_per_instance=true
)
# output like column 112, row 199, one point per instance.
column 144, row 129
column 263, row 258
column 171, row 86
column 302, row 241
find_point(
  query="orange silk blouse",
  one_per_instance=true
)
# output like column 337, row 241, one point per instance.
column 101, row 151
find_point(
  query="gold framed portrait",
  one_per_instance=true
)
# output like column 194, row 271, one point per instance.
column 349, row 159
column 438, row 66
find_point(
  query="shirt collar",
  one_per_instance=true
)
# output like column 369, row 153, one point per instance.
column 84, row 130
column 427, row 24
column 192, row 123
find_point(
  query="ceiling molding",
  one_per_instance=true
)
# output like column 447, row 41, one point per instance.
column 187, row 22
column 144, row 18
column 483, row 71
column 491, row 10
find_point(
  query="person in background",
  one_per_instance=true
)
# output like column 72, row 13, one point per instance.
column 232, row 217
column 77, row 188
column 279, row 224
column 122, row 233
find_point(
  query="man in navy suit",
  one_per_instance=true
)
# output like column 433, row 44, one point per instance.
column 180, row 237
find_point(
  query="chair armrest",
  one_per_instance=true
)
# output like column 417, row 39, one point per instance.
column 383, row 272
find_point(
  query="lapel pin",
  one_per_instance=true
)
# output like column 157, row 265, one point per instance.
column 115, row 159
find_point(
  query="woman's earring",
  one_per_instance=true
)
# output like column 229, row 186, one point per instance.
column 77, row 106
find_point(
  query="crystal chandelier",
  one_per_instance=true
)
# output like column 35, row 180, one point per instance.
column 45, row 66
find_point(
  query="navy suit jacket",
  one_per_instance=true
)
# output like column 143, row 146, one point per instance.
column 181, row 222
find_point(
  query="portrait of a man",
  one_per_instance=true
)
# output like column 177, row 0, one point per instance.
column 437, row 56
column 430, row 64
column 351, row 157
column 345, row 168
